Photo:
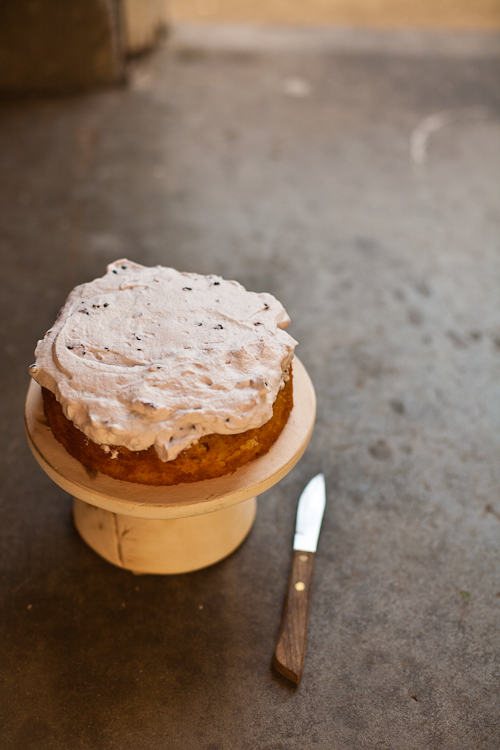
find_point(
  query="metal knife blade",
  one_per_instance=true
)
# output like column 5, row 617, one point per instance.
column 290, row 650
column 310, row 515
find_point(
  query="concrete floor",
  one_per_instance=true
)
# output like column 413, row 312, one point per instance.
column 291, row 171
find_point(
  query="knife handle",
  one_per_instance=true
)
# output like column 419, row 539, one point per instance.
column 290, row 650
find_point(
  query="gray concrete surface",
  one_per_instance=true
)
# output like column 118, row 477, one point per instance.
column 219, row 161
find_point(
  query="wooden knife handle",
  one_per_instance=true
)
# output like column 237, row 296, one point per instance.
column 290, row 650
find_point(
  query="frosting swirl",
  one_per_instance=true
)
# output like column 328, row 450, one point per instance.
column 151, row 356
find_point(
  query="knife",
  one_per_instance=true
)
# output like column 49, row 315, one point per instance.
column 290, row 650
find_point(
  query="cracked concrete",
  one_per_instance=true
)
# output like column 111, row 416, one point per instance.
column 210, row 161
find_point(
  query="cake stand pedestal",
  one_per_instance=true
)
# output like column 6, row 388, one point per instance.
column 170, row 530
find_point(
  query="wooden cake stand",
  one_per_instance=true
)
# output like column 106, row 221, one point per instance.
column 170, row 529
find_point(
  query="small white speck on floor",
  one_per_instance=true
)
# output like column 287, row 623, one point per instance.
column 297, row 87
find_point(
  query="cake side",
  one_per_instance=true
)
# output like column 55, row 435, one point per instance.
column 212, row 456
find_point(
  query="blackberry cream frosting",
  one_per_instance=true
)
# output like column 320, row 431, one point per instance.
column 151, row 356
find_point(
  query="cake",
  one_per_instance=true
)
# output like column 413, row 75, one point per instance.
column 158, row 377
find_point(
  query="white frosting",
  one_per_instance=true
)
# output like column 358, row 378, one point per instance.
column 150, row 356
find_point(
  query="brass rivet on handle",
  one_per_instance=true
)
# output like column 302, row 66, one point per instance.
column 300, row 586
column 303, row 558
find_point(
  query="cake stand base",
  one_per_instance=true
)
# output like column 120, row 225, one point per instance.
column 165, row 546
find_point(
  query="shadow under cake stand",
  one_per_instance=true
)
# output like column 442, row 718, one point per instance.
column 178, row 529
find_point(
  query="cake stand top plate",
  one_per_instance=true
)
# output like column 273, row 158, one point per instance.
column 183, row 500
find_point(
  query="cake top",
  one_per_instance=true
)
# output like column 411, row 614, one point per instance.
column 151, row 356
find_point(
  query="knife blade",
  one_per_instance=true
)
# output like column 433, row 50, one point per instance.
column 290, row 650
